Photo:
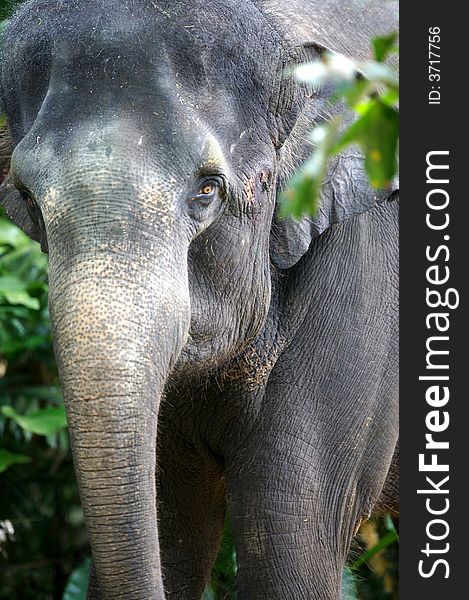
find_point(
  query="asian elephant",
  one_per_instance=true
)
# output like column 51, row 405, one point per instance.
column 212, row 356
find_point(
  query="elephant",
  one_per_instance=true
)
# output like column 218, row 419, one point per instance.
column 214, row 357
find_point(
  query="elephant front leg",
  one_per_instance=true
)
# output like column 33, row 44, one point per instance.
column 290, row 542
column 191, row 512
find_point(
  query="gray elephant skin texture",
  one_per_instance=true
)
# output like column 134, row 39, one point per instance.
column 213, row 357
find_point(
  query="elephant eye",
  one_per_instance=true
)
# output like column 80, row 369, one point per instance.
column 207, row 189
column 204, row 198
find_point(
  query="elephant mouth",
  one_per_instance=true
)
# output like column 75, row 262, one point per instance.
column 198, row 353
column 207, row 350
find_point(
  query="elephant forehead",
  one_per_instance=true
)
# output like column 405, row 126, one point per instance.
column 131, row 41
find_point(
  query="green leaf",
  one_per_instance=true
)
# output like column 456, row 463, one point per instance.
column 10, row 234
column 349, row 589
column 388, row 523
column 389, row 539
column 391, row 98
column 224, row 570
column 353, row 93
column 11, row 283
column 20, row 297
column 209, row 593
column 77, row 583
column 380, row 74
column 384, row 45
column 9, row 458
column 13, row 290
column 27, row 259
column 302, row 193
column 29, row 343
column 377, row 132
column 43, row 422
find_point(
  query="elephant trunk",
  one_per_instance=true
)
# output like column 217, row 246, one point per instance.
column 118, row 328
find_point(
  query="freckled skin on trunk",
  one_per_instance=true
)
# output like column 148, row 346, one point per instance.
column 113, row 361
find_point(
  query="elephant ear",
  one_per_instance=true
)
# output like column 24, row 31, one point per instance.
column 11, row 200
column 310, row 28
column 344, row 194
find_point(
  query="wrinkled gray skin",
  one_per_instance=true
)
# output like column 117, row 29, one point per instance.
column 264, row 350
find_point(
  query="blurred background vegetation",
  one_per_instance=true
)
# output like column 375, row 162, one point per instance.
column 44, row 553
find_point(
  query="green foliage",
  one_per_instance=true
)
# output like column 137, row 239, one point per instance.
column 6, row 9
column 349, row 587
column 224, row 571
column 24, row 319
column 371, row 90
column 24, row 330
column 78, row 582
column 359, row 581
column 46, row 421
column 388, row 539
column 302, row 194
column 14, row 291
column 376, row 131
column 9, row 458
column 375, row 568
column 43, row 536
column 383, row 46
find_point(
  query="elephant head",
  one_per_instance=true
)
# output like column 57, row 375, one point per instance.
column 148, row 143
